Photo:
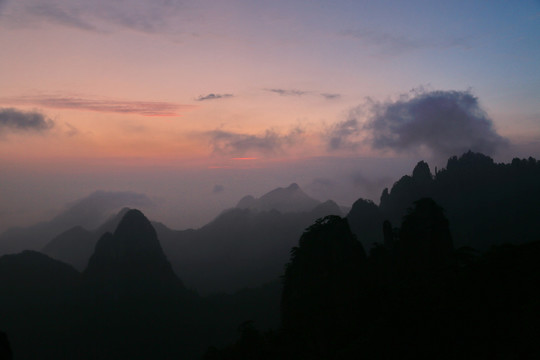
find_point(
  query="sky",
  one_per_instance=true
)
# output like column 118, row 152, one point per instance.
column 195, row 104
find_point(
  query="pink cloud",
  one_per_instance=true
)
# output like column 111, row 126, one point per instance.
column 144, row 108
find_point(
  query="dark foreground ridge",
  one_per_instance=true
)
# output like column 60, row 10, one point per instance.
column 414, row 297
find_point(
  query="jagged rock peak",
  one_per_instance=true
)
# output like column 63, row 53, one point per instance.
column 134, row 240
column 422, row 172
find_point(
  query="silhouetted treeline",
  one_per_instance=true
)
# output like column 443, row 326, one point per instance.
column 486, row 203
column 413, row 297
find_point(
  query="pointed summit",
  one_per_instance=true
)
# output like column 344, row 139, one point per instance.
column 75, row 246
column 289, row 199
column 136, row 238
column 421, row 172
column 131, row 259
column 293, row 187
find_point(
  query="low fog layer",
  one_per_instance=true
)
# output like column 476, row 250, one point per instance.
column 191, row 198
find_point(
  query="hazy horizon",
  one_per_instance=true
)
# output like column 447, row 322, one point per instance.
column 196, row 104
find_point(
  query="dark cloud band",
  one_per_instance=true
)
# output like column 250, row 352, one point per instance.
column 213, row 97
column 239, row 144
column 16, row 120
column 285, row 92
column 144, row 108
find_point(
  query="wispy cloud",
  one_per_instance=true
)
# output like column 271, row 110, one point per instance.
column 395, row 44
column 13, row 120
column 72, row 130
column 241, row 144
column 298, row 93
column 213, row 97
column 330, row 96
column 287, row 92
column 145, row 108
column 62, row 16
column 101, row 15
column 93, row 209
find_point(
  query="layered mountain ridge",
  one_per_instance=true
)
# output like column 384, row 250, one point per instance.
column 256, row 239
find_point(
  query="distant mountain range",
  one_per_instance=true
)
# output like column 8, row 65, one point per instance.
column 247, row 245
column 486, row 203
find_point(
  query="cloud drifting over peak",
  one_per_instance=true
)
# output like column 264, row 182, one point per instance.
column 93, row 209
column 239, row 144
column 445, row 122
column 19, row 121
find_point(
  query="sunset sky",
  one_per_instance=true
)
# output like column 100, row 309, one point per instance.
column 197, row 103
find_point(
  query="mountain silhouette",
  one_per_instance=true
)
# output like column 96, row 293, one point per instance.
column 31, row 277
column 76, row 245
column 486, row 203
column 73, row 246
column 320, row 284
column 289, row 199
column 411, row 296
column 243, row 247
column 128, row 303
column 139, row 307
column 88, row 212
column 39, row 299
column 131, row 260
column 215, row 257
